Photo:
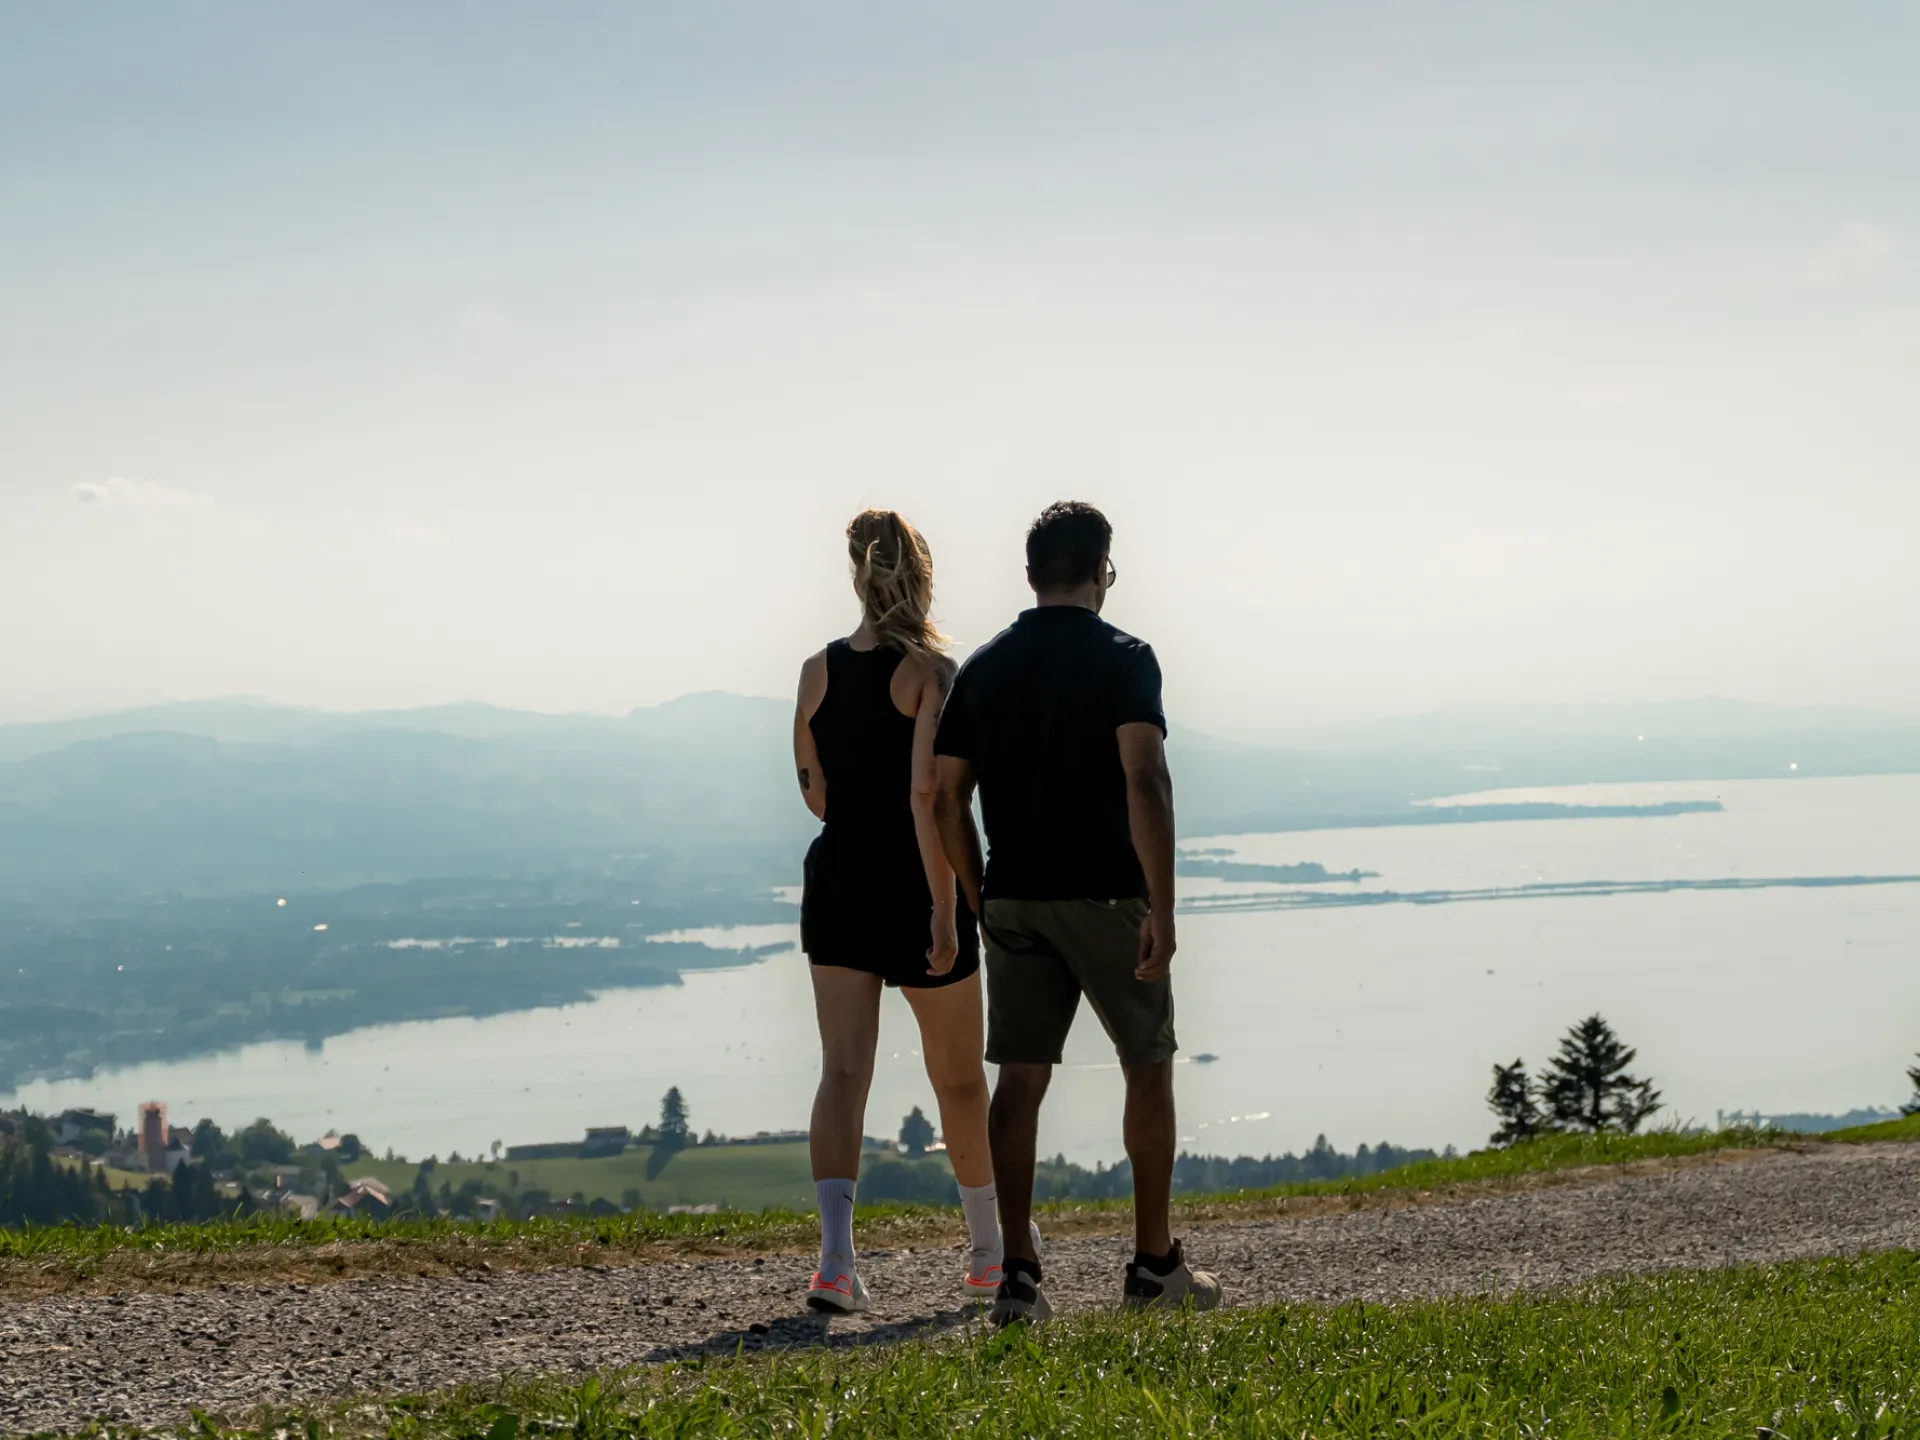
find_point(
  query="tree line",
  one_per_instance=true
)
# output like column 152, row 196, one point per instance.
column 36, row 1189
column 928, row 1182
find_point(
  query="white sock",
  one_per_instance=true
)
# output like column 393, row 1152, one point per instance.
column 835, row 1198
column 983, row 1218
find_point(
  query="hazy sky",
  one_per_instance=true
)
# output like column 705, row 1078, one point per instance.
column 377, row 354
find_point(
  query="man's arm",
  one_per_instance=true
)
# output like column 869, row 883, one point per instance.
column 953, row 818
column 1143, row 754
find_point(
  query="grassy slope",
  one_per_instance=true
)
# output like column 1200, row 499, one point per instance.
column 87, row 1253
column 759, row 1177
column 735, row 1177
column 1811, row 1349
column 1535, row 1157
column 1907, row 1127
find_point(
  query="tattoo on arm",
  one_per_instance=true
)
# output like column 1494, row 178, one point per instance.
column 806, row 779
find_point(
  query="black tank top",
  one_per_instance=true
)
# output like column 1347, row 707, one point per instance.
column 866, row 753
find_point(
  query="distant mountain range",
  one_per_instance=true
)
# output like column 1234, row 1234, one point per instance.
column 228, row 797
column 243, row 721
column 237, row 796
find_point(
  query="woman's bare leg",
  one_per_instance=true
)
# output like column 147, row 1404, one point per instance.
column 952, row 1035
column 847, row 1004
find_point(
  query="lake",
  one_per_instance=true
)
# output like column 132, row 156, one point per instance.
column 1366, row 1021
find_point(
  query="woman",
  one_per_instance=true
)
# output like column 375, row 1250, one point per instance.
column 880, row 904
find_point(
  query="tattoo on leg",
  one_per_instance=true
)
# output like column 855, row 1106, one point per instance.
column 806, row 780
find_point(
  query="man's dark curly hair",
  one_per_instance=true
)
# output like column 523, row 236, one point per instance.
column 1066, row 545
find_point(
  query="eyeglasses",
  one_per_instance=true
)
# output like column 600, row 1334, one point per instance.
column 1113, row 572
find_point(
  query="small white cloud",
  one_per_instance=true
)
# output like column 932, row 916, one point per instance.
column 127, row 494
column 1855, row 249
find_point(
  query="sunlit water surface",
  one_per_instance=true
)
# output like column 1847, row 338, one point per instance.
column 1368, row 1022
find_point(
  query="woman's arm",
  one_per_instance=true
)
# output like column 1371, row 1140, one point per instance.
column 806, row 759
column 945, row 946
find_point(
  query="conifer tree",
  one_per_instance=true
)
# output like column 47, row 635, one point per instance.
column 1912, row 1107
column 674, row 1129
column 1587, row 1086
column 420, row 1197
column 916, row 1133
column 1512, row 1099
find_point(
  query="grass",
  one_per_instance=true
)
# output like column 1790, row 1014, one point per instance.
column 87, row 1247
column 735, row 1177
column 1540, row 1156
column 1907, row 1127
column 1822, row 1348
column 760, row 1177
column 264, row 1247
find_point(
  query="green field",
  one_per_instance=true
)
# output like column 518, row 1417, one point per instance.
column 117, row 1179
column 1823, row 1348
column 760, row 1177
column 734, row 1177
column 82, row 1253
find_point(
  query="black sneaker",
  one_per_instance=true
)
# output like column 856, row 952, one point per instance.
column 1147, row 1289
column 1020, row 1296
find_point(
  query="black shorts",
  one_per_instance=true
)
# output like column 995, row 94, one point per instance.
column 882, row 925
column 1043, row 955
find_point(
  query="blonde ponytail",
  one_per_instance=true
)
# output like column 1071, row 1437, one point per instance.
column 893, row 574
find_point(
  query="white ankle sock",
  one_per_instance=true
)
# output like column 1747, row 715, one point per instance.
column 983, row 1218
column 835, row 1198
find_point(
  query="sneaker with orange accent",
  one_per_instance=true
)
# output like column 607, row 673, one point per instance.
column 839, row 1294
column 982, row 1280
column 985, row 1271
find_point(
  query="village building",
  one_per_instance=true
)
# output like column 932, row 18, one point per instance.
column 363, row 1199
column 605, row 1140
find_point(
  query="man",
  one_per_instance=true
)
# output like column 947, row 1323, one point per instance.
column 1058, row 721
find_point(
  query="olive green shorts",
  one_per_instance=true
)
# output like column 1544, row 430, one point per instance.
column 1042, row 955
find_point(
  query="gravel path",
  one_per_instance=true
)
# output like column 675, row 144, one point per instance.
column 145, row 1358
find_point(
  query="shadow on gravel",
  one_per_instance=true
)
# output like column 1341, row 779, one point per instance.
column 808, row 1331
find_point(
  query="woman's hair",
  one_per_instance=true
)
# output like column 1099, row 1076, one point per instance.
column 893, row 574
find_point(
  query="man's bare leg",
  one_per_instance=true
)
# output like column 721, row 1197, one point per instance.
column 1151, row 1135
column 1013, row 1128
